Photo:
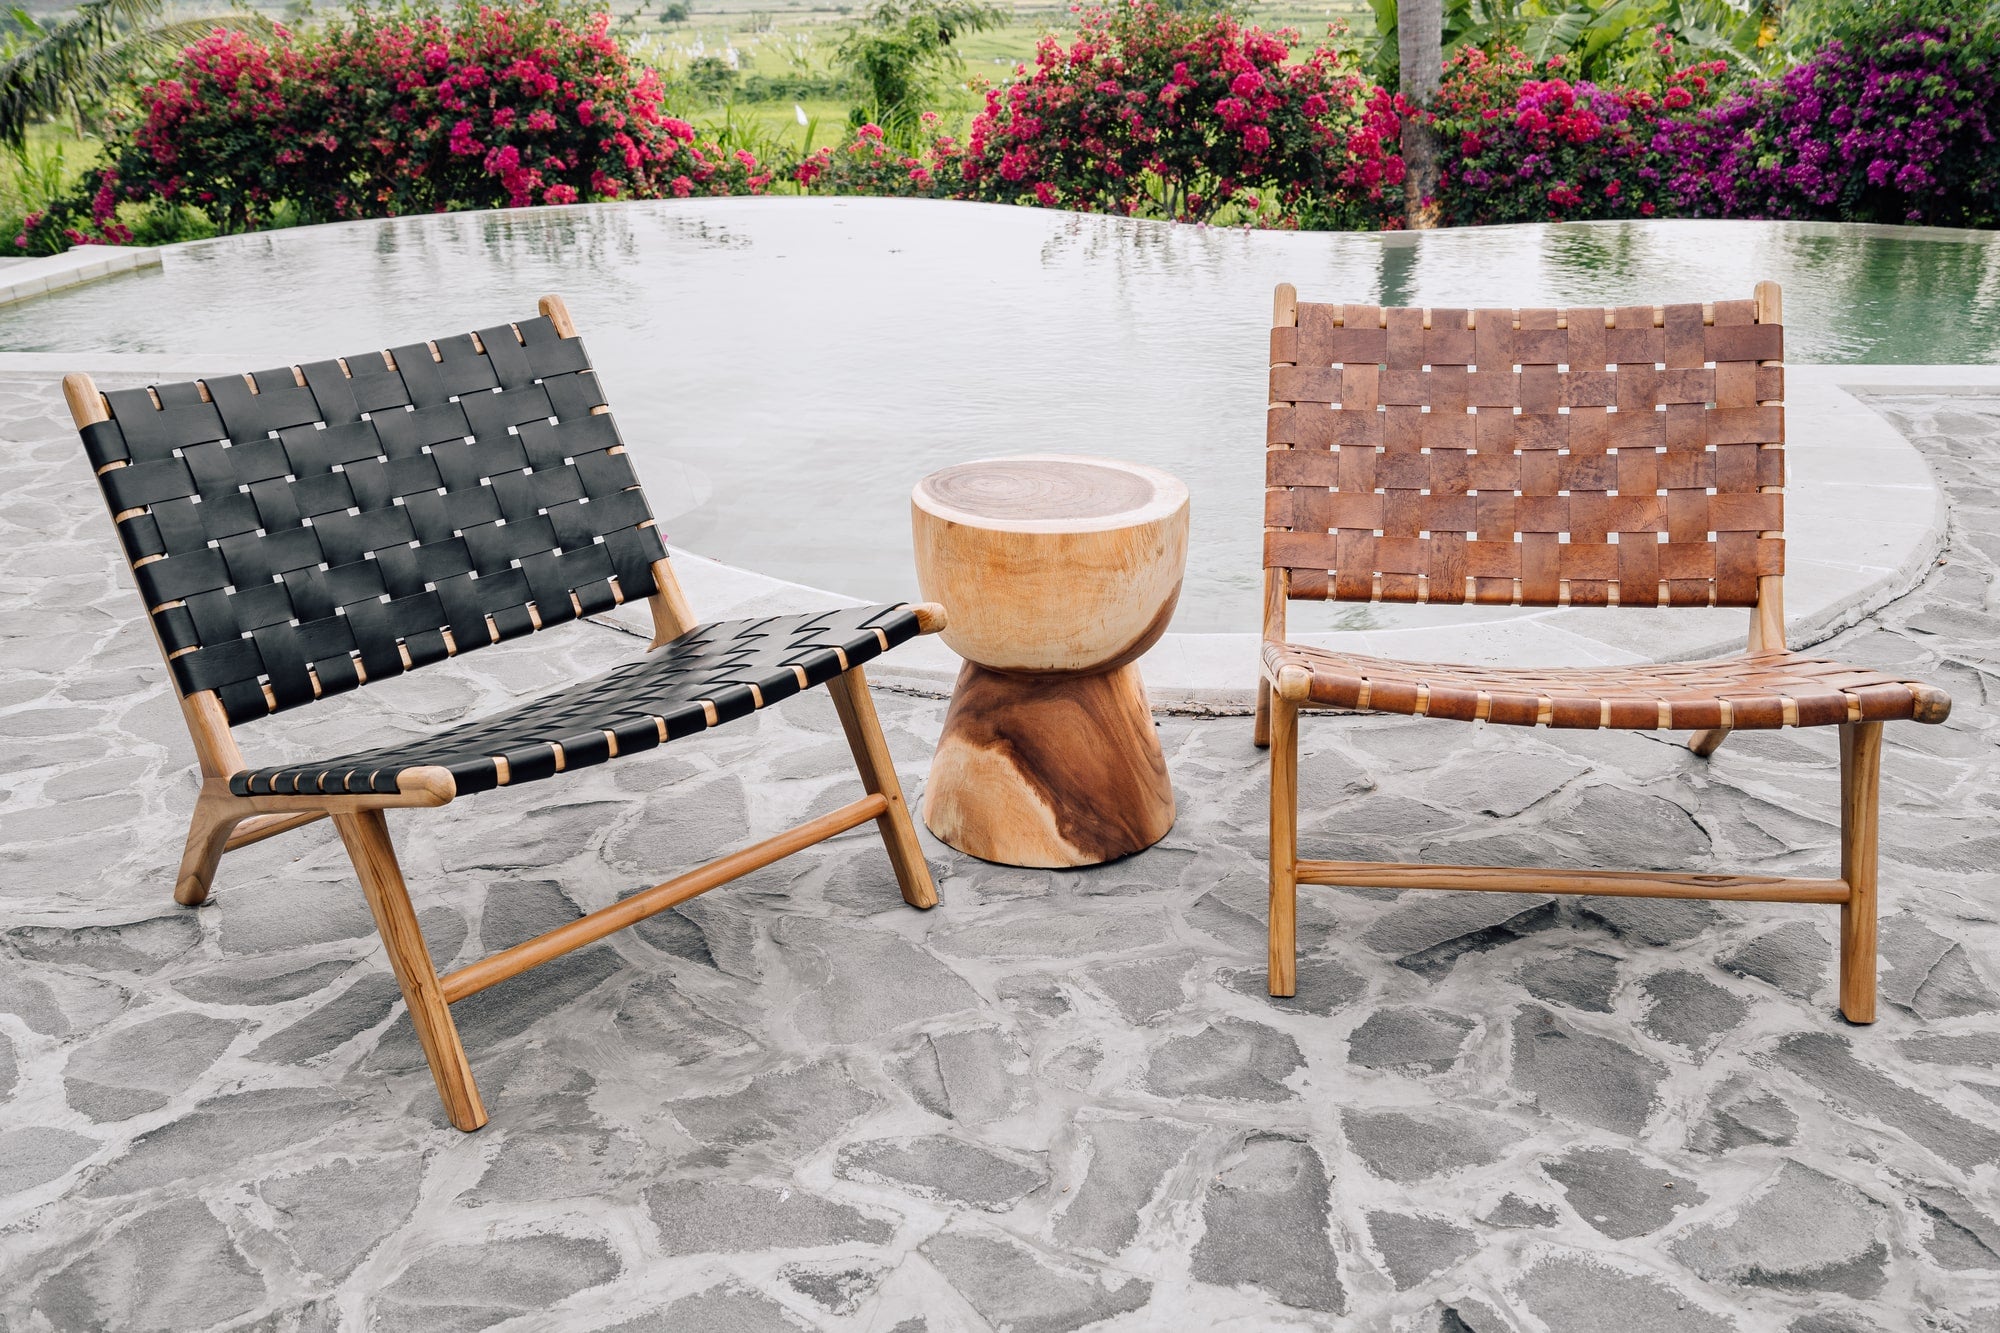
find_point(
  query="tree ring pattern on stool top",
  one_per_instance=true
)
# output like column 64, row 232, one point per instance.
column 1049, row 493
column 1539, row 457
column 297, row 531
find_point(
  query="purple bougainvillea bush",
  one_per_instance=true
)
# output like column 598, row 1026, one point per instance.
column 1890, row 126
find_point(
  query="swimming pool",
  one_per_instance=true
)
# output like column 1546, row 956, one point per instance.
column 786, row 368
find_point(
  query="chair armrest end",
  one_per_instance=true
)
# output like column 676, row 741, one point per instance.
column 431, row 784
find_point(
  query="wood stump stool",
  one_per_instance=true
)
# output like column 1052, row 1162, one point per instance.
column 1057, row 573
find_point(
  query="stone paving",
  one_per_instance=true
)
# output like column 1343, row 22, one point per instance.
column 1059, row 1100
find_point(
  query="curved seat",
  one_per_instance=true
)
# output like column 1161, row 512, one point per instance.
column 706, row 677
column 1747, row 692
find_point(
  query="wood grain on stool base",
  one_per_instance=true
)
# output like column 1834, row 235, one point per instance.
column 1049, row 771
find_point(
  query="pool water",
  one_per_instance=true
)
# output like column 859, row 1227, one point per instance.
column 785, row 369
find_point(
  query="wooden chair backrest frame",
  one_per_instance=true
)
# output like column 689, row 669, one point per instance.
column 207, row 720
column 1284, row 546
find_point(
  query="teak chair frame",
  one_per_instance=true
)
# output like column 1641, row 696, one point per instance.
column 1284, row 693
column 223, row 822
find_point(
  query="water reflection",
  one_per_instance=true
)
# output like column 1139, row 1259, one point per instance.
column 786, row 368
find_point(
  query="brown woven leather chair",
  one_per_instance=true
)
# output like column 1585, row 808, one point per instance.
column 1586, row 457
column 300, row 532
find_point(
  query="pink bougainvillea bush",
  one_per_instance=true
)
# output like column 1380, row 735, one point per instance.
column 869, row 164
column 1180, row 114
column 1520, row 141
column 392, row 111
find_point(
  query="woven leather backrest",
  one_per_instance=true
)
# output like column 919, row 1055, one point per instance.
column 1531, row 457
column 296, row 531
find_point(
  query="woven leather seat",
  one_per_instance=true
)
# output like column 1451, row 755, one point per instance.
column 1629, row 459
column 1750, row 692
column 708, row 676
column 302, row 532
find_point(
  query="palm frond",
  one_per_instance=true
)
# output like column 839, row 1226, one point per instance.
column 86, row 54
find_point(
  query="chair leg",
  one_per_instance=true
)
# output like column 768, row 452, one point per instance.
column 1260, row 736
column 1283, row 975
column 1860, row 800
column 1706, row 743
column 207, row 838
column 366, row 835
column 878, row 775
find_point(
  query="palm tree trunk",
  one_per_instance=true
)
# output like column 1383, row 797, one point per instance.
column 1420, row 53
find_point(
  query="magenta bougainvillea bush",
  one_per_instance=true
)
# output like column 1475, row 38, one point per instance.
column 869, row 164
column 1900, row 125
column 1523, row 142
column 397, row 111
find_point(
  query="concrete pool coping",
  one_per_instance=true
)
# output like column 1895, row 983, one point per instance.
column 1865, row 520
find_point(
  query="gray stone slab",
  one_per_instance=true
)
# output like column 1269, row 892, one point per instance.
column 1320, row 986
column 36, row 1154
column 1742, row 1113
column 1620, row 1193
column 1828, row 1063
column 1406, row 1145
column 1578, row 978
column 1689, row 1010
column 1230, row 1060
column 1793, row 957
column 140, row 946
column 1011, row 1288
column 1803, row 1231
column 721, row 1216
column 141, row 1067
column 862, row 984
column 1586, row 1077
column 945, row 1170
column 220, row 1135
column 170, row 1268
column 1962, row 1237
column 1428, row 932
column 728, row 1308
column 1572, row 1293
column 783, row 1112
column 466, row 1287
column 1928, row 973
column 333, row 1215
column 1415, row 1246
column 1129, row 1164
column 1407, row 1037
column 1264, row 1225
column 360, row 1007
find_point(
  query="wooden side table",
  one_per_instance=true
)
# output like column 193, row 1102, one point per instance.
column 1057, row 573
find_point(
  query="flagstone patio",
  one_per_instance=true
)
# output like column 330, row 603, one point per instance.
column 1058, row 1100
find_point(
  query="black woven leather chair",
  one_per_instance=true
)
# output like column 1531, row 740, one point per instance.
column 299, row 532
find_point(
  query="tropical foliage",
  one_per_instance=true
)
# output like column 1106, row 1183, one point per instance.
column 60, row 67
column 1599, row 40
column 904, row 51
column 1547, row 109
